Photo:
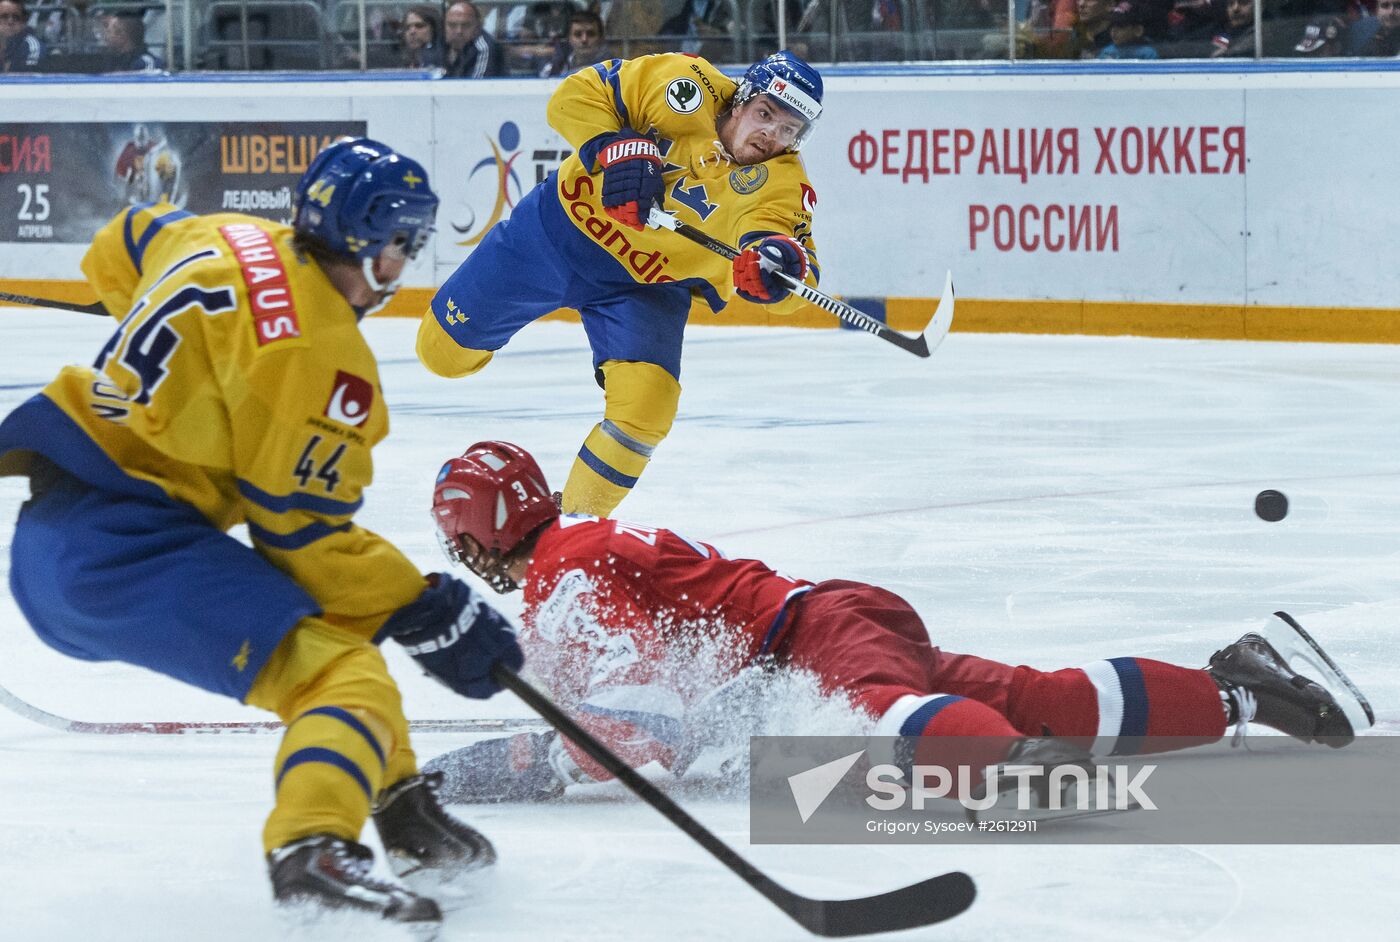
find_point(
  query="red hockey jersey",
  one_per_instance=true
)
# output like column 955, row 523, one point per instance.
column 630, row 627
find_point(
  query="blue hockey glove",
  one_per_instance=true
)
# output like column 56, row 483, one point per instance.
column 508, row 768
column 632, row 181
column 455, row 636
column 756, row 266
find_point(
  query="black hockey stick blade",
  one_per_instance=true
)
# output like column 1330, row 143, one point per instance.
column 922, row 904
column 95, row 307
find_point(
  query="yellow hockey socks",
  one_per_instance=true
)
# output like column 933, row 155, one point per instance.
column 328, row 771
column 346, row 736
column 641, row 401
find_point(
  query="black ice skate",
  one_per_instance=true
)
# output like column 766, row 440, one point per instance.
column 327, row 871
column 1257, row 676
column 1071, row 786
column 428, row 848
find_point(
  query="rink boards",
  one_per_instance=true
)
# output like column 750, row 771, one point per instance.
column 1172, row 201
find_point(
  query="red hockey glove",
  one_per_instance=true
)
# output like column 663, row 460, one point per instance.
column 755, row 268
column 631, row 176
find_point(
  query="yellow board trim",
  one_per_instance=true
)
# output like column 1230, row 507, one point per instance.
column 983, row 315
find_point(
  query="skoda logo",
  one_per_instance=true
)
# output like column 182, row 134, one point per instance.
column 683, row 95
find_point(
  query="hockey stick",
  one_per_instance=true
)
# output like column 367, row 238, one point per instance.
column 183, row 727
column 921, row 345
column 93, row 308
column 933, row 900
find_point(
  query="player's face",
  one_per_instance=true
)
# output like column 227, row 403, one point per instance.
column 1239, row 12
column 1387, row 11
column 759, row 130
column 11, row 20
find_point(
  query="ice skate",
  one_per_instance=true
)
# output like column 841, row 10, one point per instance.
column 324, row 870
column 429, row 849
column 1072, row 792
column 1257, row 676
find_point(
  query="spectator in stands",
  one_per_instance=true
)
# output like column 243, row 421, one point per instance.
column 1323, row 37
column 583, row 47
column 764, row 14
column 69, row 28
column 20, row 49
column 533, row 36
column 1385, row 40
column 1052, row 30
column 1091, row 32
column 705, row 27
column 124, row 43
column 1127, row 26
column 471, row 51
column 1193, row 24
column 419, row 40
column 1237, row 39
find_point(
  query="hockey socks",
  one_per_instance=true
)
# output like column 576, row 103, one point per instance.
column 641, row 405
column 951, row 732
column 1117, row 702
column 941, row 715
column 328, row 771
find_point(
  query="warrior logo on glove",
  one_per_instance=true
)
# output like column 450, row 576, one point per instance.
column 631, row 177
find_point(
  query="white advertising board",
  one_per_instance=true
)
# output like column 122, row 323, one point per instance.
column 1239, row 188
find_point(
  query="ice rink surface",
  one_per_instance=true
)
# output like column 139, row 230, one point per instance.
column 1046, row 500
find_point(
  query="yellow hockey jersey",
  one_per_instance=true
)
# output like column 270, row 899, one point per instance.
column 239, row 382
column 677, row 98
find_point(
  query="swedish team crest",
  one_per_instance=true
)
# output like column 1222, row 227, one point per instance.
column 747, row 179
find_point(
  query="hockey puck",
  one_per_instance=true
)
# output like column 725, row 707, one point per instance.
column 1271, row 505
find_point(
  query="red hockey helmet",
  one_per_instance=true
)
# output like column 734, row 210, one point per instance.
column 486, row 503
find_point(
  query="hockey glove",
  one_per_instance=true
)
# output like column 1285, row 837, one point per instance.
column 455, row 636
column 632, row 181
column 756, row 268
column 508, row 768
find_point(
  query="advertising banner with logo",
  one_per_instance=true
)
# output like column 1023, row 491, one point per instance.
column 1103, row 193
column 64, row 181
column 1175, row 188
column 1166, row 188
column 488, row 153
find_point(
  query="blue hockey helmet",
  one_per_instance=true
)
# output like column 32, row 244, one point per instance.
column 359, row 196
column 789, row 81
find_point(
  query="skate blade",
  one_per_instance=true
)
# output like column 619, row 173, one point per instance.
column 1053, row 816
column 1291, row 642
column 313, row 920
column 451, row 891
column 1068, row 810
